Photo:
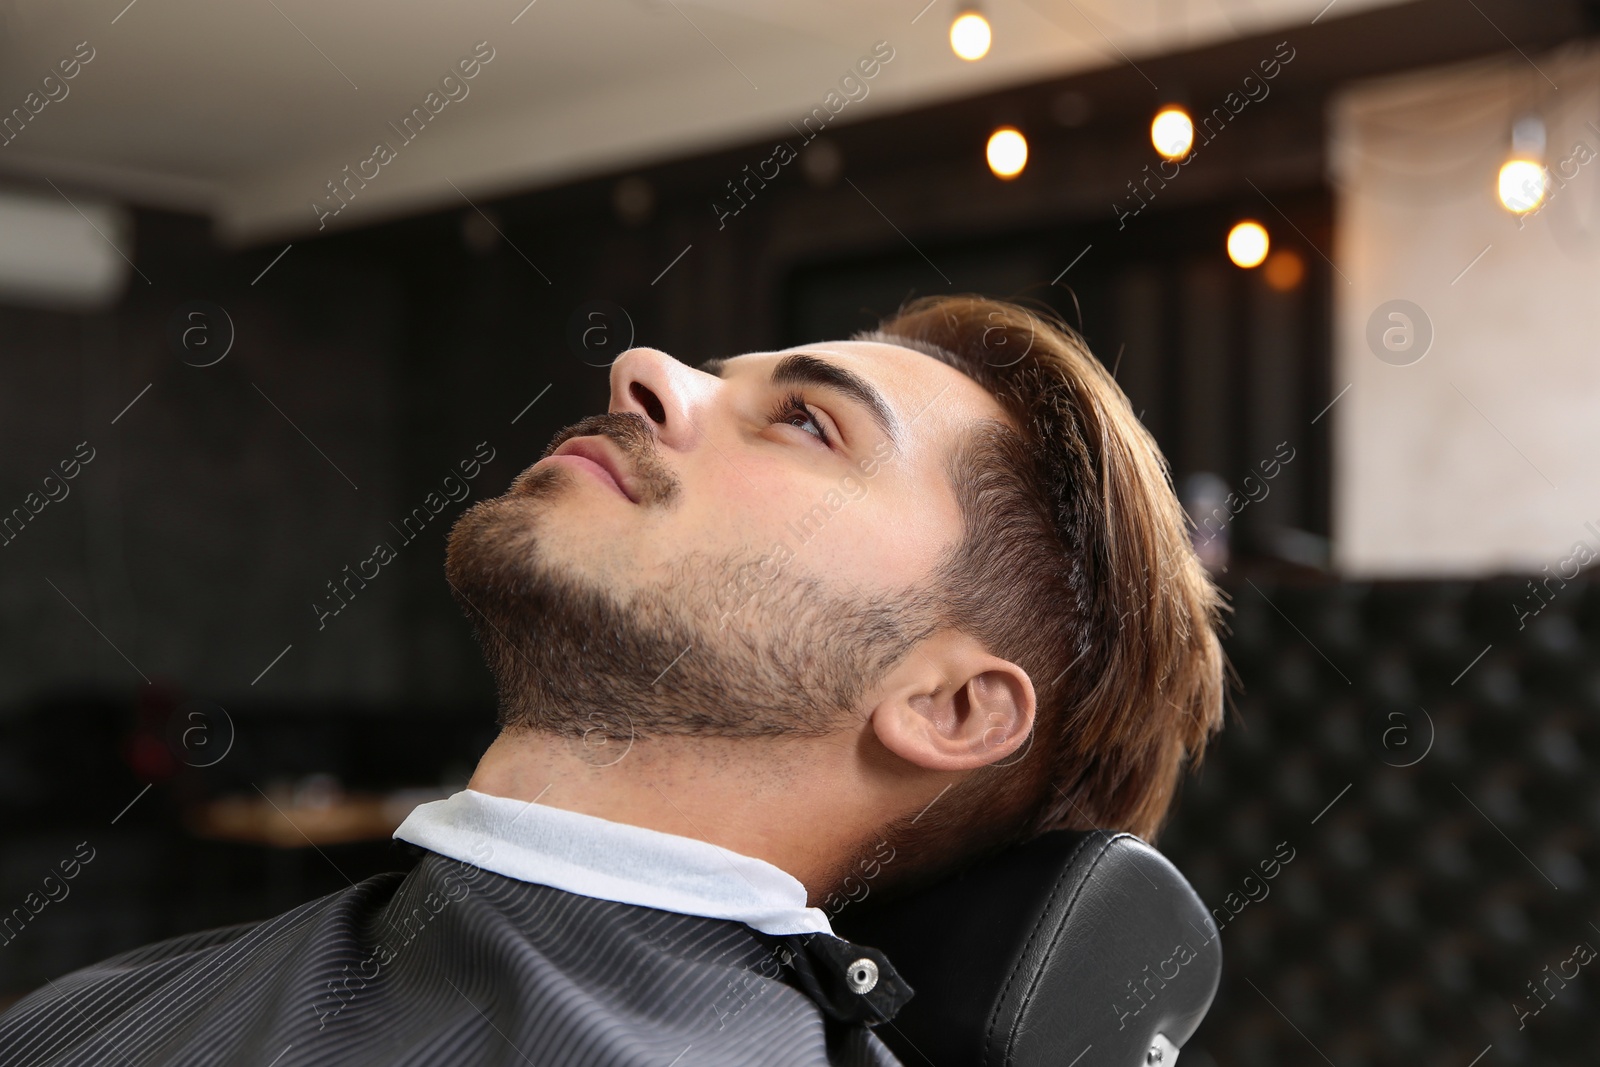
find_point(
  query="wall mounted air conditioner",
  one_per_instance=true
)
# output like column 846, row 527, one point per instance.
column 60, row 254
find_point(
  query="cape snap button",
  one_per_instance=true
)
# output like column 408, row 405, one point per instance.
column 862, row 975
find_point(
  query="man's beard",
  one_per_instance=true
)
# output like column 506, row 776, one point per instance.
column 727, row 646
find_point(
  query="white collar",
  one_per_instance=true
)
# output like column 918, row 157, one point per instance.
column 596, row 857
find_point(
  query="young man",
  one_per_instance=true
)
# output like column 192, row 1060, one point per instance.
column 872, row 607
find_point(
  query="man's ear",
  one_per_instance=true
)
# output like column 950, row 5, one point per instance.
column 951, row 705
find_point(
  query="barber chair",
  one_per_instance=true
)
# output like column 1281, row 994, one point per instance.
column 1071, row 950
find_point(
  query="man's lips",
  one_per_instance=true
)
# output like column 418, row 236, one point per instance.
column 598, row 456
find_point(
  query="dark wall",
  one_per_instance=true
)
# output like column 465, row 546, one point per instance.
column 1425, row 764
column 197, row 534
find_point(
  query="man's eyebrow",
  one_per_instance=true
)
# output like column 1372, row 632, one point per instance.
column 802, row 369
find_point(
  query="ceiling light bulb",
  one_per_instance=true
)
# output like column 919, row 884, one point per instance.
column 1008, row 152
column 970, row 36
column 1285, row 270
column 1247, row 243
column 1172, row 132
column 1523, row 185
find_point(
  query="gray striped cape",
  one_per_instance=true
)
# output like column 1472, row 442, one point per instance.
column 453, row 964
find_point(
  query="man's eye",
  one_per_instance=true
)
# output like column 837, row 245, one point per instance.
column 803, row 419
column 793, row 410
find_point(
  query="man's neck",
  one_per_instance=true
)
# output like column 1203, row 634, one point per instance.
column 764, row 798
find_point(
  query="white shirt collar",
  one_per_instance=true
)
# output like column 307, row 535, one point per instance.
column 596, row 857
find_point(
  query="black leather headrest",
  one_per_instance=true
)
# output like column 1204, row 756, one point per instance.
column 1073, row 950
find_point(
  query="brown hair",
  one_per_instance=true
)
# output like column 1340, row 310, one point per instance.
column 1076, row 564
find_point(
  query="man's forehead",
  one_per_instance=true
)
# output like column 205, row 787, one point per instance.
column 860, row 354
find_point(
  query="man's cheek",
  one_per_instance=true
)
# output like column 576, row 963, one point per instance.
column 877, row 545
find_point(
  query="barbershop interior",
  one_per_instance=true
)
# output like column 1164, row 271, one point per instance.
column 284, row 289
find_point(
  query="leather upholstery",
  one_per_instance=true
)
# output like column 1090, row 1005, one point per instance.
column 1073, row 950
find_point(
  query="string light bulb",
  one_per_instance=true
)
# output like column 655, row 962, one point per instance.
column 1524, row 183
column 1172, row 132
column 1284, row 270
column 970, row 35
column 1248, row 243
column 1007, row 152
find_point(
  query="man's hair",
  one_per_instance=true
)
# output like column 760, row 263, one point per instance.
column 1075, row 563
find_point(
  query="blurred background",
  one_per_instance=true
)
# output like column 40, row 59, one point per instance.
column 283, row 283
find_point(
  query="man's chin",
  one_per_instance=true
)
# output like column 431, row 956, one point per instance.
column 513, row 549
column 493, row 542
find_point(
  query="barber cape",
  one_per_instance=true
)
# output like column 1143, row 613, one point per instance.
column 526, row 935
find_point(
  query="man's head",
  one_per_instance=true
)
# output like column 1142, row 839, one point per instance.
column 945, row 552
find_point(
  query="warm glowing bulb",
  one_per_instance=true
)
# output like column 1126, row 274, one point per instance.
column 1247, row 244
column 1172, row 132
column 1008, row 152
column 1285, row 270
column 970, row 36
column 1523, row 185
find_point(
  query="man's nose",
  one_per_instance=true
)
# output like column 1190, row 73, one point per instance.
column 651, row 383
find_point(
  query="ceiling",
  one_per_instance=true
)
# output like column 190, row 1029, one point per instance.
column 247, row 111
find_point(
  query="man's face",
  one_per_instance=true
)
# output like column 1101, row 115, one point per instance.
column 753, row 557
